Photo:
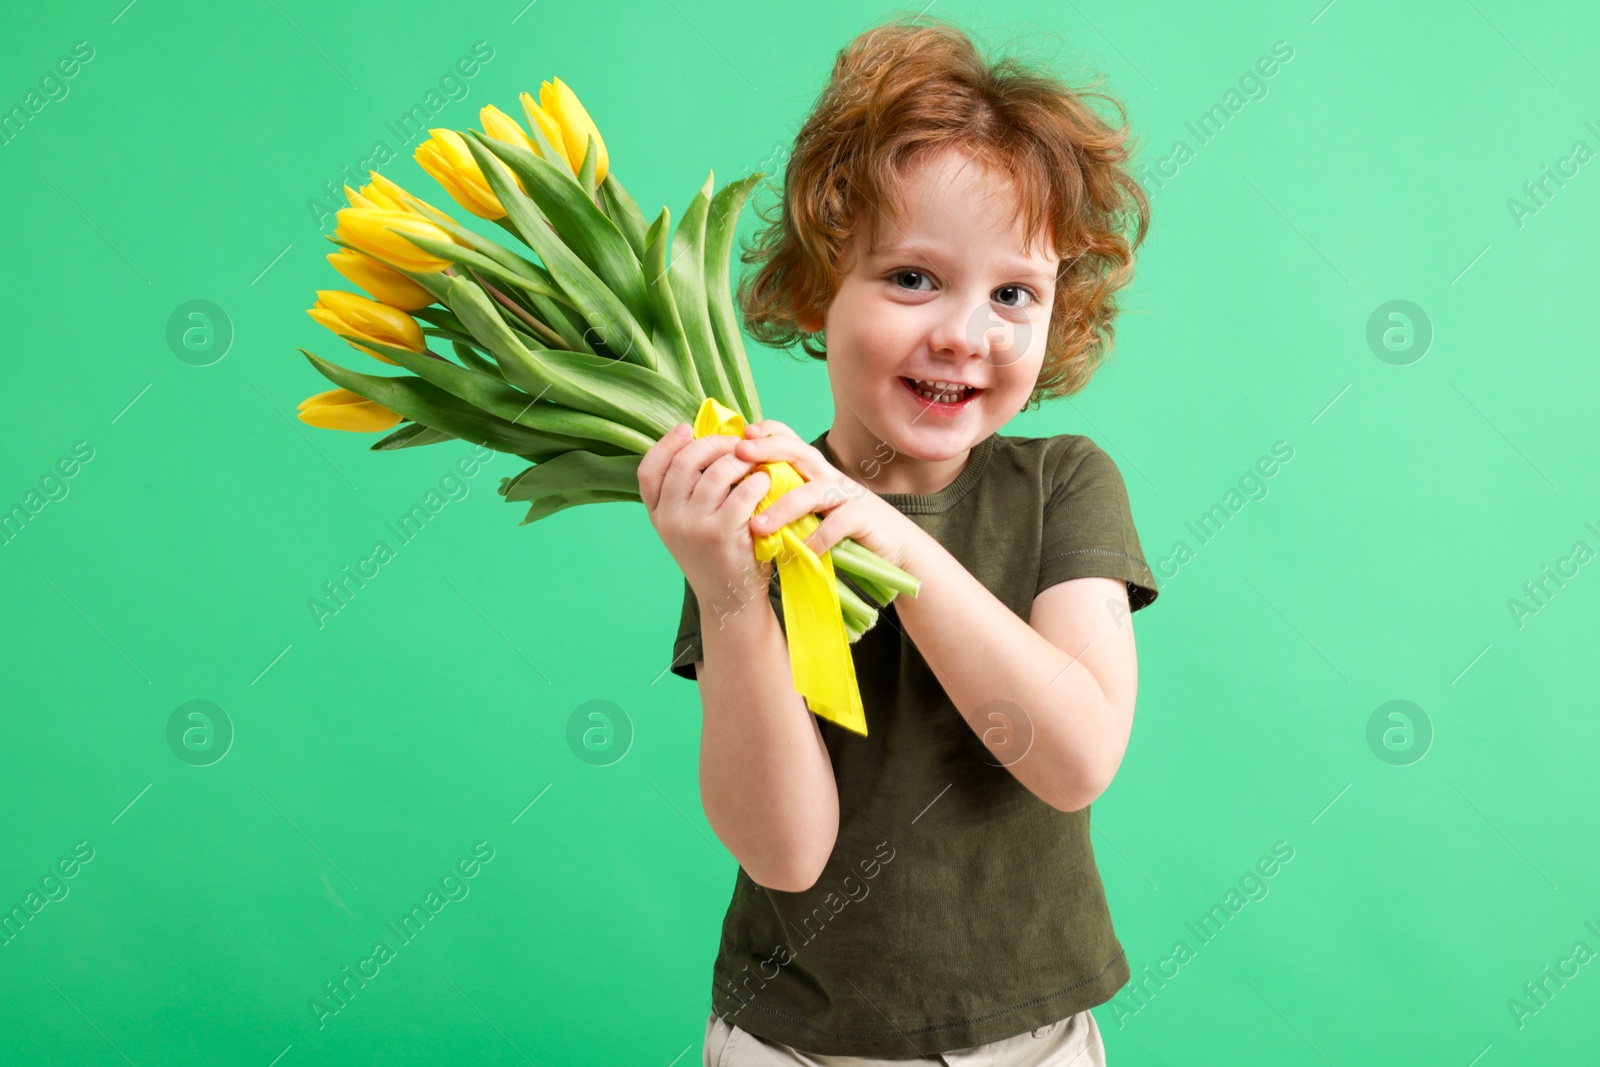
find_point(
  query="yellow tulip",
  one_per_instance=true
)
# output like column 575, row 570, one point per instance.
column 385, row 194
column 389, row 286
column 503, row 127
column 340, row 409
column 446, row 158
column 365, row 203
column 547, row 125
column 380, row 232
column 350, row 313
column 561, row 103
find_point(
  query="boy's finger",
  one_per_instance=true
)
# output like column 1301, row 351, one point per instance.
column 718, row 480
column 789, row 449
column 653, row 467
column 690, row 461
column 748, row 493
column 801, row 500
column 769, row 428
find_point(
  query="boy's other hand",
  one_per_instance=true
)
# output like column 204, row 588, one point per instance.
column 848, row 508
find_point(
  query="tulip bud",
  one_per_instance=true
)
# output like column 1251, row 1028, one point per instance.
column 349, row 313
column 389, row 286
column 503, row 127
column 381, row 233
column 340, row 409
column 559, row 101
column 548, row 126
column 447, row 159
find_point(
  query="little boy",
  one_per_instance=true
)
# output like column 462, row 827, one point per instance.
column 927, row 893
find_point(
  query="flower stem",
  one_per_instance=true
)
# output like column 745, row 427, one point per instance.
column 852, row 557
column 516, row 309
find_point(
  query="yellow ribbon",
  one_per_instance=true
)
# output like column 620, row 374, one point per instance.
column 819, row 645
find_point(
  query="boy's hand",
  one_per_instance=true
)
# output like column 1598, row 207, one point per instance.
column 700, row 500
column 849, row 509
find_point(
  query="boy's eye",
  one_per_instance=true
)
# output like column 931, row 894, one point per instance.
column 1015, row 292
column 901, row 275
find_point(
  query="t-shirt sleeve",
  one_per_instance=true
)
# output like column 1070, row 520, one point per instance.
column 1088, row 526
column 687, row 648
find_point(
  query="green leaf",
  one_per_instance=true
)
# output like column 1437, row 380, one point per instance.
column 624, row 212
column 474, row 241
column 422, row 401
column 449, row 335
column 529, row 282
column 591, row 164
column 585, row 228
column 688, row 278
column 605, row 313
column 720, row 226
column 412, row 435
column 549, row 505
column 441, row 317
column 471, row 357
column 622, row 392
column 574, row 471
column 679, row 361
column 569, row 429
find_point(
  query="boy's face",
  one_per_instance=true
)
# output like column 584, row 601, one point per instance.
column 949, row 296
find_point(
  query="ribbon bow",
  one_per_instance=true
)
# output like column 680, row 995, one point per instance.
column 819, row 645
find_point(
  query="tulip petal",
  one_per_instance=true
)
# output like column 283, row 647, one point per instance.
column 382, row 233
column 577, row 127
column 340, row 409
column 449, row 163
column 389, row 286
column 546, row 132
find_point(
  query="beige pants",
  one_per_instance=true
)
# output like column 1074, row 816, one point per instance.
column 1070, row 1042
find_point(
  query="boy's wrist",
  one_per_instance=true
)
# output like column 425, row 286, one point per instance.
column 718, row 605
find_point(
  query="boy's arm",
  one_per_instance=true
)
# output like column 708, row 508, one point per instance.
column 1069, row 674
column 766, row 779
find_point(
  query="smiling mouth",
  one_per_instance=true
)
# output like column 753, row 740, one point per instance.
column 941, row 396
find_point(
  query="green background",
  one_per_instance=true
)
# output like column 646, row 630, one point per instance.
column 431, row 713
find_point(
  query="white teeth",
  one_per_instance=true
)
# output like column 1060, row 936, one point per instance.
column 942, row 392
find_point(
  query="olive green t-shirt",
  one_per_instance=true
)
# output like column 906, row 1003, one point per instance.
column 957, row 908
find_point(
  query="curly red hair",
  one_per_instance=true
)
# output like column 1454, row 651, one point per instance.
column 905, row 90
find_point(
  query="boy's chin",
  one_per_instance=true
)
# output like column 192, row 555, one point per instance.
column 931, row 444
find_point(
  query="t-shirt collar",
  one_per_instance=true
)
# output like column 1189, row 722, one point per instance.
column 927, row 503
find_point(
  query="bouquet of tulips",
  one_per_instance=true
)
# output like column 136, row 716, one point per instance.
column 577, row 360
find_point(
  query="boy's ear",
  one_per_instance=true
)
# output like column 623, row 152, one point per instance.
column 811, row 324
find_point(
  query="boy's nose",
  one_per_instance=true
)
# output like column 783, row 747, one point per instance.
column 963, row 331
